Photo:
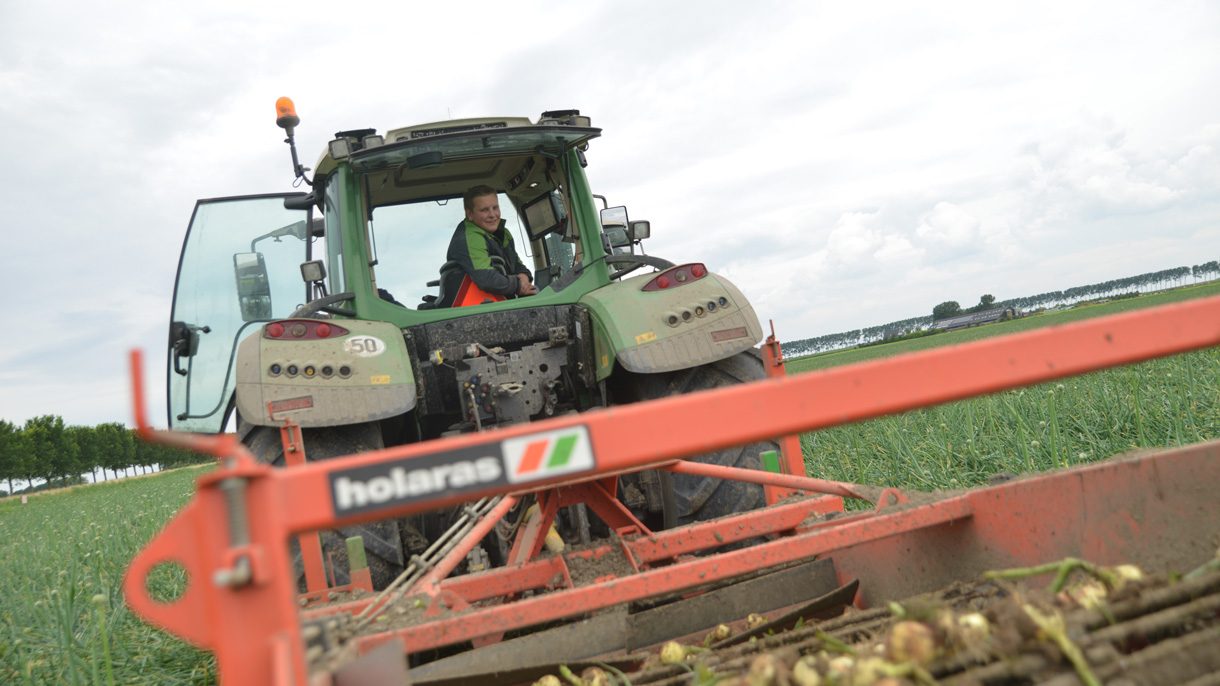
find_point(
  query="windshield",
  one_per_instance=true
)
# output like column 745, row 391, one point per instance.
column 410, row 243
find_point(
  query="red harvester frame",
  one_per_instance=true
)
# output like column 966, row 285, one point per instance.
column 241, row 599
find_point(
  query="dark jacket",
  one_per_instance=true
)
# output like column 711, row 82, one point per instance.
column 473, row 249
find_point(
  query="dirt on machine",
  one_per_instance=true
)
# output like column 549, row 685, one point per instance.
column 601, row 483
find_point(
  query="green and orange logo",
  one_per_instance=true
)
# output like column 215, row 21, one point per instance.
column 548, row 454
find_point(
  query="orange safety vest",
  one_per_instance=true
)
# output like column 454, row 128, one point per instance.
column 470, row 294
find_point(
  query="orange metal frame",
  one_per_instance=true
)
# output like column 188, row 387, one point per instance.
column 240, row 601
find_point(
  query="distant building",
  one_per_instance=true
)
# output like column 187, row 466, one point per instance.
column 995, row 314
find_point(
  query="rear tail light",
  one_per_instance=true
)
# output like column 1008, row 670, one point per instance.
column 676, row 276
column 303, row 330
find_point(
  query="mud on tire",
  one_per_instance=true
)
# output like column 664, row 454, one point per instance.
column 697, row 498
column 383, row 540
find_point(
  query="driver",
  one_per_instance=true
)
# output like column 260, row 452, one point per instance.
column 476, row 241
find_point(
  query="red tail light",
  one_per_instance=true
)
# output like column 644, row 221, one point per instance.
column 676, row 276
column 303, row 329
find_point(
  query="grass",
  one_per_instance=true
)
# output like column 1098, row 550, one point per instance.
column 63, row 620
column 1162, row 403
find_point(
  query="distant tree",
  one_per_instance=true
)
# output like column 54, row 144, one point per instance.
column 88, row 450
column 116, row 447
column 1209, row 270
column 52, row 451
column 12, row 453
column 146, row 455
column 946, row 309
column 987, row 300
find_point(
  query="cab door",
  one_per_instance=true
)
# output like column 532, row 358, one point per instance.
column 240, row 268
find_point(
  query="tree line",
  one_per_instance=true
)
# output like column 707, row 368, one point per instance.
column 45, row 448
column 1150, row 281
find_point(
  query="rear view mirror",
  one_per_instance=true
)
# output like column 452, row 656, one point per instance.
column 614, row 216
column 253, row 286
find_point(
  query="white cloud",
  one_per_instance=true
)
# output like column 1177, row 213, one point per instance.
column 949, row 225
column 897, row 249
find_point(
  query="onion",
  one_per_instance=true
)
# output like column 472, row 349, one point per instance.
column 721, row 632
column 868, row 671
column 673, row 653
column 763, row 670
column 1129, row 573
column 1089, row 593
column 911, row 642
column 839, row 667
column 595, row 676
column 973, row 629
column 805, row 673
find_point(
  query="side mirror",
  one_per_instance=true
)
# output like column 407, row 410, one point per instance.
column 639, row 230
column 614, row 216
column 253, row 286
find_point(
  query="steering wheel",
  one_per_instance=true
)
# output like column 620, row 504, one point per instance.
column 326, row 304
column 634, row 262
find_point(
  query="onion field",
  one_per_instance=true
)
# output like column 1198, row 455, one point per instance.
column 1167, row 402
column 63, row 620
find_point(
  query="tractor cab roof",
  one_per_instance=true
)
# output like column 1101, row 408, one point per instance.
column 443, row 159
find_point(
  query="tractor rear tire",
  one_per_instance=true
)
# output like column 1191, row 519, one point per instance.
column 698, row 498
column 383, row 540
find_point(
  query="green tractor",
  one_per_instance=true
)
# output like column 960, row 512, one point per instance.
column 323, row 307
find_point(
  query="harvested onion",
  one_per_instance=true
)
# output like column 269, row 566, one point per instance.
column 911, row 642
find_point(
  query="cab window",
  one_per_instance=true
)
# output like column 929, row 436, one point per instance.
column 410, row 242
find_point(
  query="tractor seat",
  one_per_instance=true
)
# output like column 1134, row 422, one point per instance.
column 448, row 283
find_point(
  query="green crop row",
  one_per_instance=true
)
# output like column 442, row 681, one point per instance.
column 63, row 620
column 1157, row 404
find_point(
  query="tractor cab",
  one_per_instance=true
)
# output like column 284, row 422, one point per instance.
column 369, row 241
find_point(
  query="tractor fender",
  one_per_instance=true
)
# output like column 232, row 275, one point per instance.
column 686, row 325
column 360, row 373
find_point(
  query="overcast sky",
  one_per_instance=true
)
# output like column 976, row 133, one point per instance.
column 845, row 164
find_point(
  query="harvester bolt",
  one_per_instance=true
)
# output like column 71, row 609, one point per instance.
column 237, row 575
